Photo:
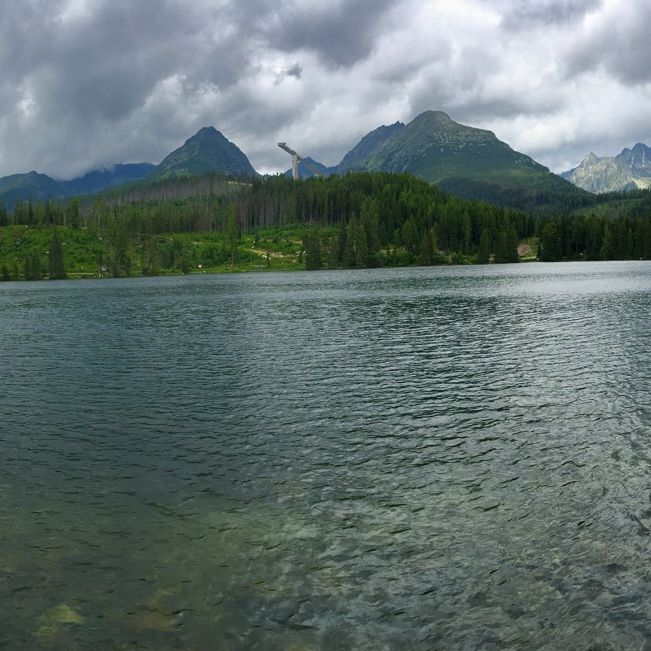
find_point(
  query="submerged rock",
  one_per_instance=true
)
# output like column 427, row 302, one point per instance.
column 156, row 621
column 53, row 621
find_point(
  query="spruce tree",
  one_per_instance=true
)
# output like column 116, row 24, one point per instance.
column 31, row 219
column 56, row 265
column 484, row 253
column 32, row 267
column 312, row 245
column 607, row 244
column 425, row 251
column 370, row 219
column 232, row 233
column 119, row 260
column 72, row 214
column 151, row 257
column 550, row 242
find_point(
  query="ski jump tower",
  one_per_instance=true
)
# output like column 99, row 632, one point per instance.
column 296, row 158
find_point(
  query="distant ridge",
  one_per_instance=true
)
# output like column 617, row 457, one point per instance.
column 107, row 177
column 31, row 186
column 629, row 170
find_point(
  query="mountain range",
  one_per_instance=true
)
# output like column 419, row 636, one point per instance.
column 630, row 170
column 466, row 161
column 207, row 151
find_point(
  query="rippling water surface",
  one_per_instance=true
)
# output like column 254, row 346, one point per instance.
column 453, row 458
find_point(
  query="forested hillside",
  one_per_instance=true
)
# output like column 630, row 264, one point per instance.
column 356, row 220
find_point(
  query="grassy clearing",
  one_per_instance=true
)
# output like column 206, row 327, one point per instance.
column 88, row 253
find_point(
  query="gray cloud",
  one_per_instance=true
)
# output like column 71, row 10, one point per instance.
column 524, row 13
column 294, row 71
column 619, row 43
column 93, row 82
column 341, row 32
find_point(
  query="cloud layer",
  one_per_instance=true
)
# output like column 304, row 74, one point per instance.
column 88, row 83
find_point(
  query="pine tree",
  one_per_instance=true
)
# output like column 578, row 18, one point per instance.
column 550, row 242
column 72, row 214
column 350, row 254
column 425, row 250
column 370, row 220
column 119, row 258
column 409, row 235
column 56, row 264
column 31, row 219
column 312, row 246
column 484, row 253
column 20, row 213
column 232, row 233
column 502, row 247
column 506, row 244
column 593, row 239
column 339, row 251
column 361, row 246
column 32, row 267
column 607, row 244
column 151, row 258
column 47, row 214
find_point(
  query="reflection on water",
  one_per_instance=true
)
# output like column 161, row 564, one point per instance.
column 451, row 458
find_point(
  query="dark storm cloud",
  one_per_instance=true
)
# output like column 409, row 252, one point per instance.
column 85, row 73
column 341, row 33
column 109, row 62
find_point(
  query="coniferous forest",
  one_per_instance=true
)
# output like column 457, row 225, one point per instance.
column 358, row 220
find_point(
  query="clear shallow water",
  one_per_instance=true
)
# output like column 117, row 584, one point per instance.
column 453, row 458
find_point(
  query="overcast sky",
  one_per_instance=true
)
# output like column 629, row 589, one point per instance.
column 87, row 83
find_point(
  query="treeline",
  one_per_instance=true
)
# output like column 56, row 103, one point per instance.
column 541, row 196
column 383, row 218
column 595, row 238
column 355, row 220
column 547, row 196
column 398, row 218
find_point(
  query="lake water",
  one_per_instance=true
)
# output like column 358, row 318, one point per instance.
column 441, row 458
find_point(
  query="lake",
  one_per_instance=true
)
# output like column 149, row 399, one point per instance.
column 425, row 458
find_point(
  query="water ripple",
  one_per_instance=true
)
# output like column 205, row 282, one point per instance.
column 450, row 458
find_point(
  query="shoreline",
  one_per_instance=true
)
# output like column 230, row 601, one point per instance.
column 76, row 276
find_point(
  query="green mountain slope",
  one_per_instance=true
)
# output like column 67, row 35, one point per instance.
column 434, row 147
column 30, row 186
column 367, row 147
column 207, row 151
column 465, row 161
